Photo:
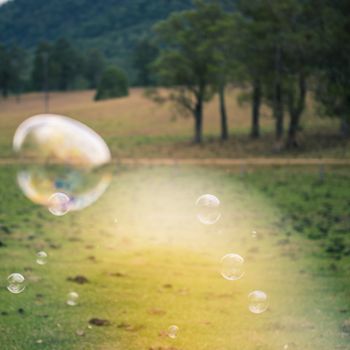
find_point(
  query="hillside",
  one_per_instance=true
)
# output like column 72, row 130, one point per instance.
column 113, row 26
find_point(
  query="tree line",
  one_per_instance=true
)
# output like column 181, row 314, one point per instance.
column 277, row 51
column 57, row 66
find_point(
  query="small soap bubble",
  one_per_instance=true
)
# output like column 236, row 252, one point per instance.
column 254, row 234
column 172, row 331
column 39, row 341
column 232, row 267
column 72, row 298
column 80, row 332
column 41, row 258
column 258, row 302
column 59, row 204
column 16, row 283
column 290, row 346
column 208, row 209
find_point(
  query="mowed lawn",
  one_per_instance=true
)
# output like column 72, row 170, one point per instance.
column 150, row 264
column 137, row 127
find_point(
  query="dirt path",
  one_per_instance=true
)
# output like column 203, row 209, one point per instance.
column 217, row 161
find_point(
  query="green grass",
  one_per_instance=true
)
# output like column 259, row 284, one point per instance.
column 167, row 263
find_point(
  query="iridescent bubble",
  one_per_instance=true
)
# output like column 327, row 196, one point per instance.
column 61, row 155
column 16, row 283
column 41, row 258
column 58, row 204
column 208, row 209
column 232, row 267
column 258, row 302
column 72, row 298
column 172, row 331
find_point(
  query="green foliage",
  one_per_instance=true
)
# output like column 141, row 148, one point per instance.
column 12, row 67
column 189, row 58
column 144, row 56
column 66, row 65
column 113, row 84
column 112, row 27
column 94, row 66
column 333, row 86
column 58, row 66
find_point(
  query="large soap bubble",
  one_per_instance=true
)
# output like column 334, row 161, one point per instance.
column 61, row 155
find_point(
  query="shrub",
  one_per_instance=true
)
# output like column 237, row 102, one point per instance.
column 113, row 83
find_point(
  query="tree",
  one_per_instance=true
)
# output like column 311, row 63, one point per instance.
column 284, row 54
column 333, row 78
column 12, row 66
column 56, row 66
column 262, row 57
column 95, row 64
column 186, row 60
column 42, row 67
column 6, row 71
column 66, row 64
column 19, row 67
column 113, row 84
column 223, row 42
column 144, row 56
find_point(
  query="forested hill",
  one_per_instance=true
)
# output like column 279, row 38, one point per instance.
column 113, row 26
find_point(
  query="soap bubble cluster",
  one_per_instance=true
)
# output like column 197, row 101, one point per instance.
column 208, row 209
column 16, row 283
column 61, row 155
column 65, row 168
column 232, row 267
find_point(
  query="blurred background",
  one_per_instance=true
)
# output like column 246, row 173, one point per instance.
column 248, row 100
column 274, row 75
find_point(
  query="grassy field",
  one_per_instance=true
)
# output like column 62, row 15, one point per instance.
column 150, row 263
column 137, row 127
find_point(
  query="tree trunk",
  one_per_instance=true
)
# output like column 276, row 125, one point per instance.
column 292, row 131
column 198, row 116
column 278, row 109
column 256, row 101
column 296, row 107
column 223, row 114
column 279, row 112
